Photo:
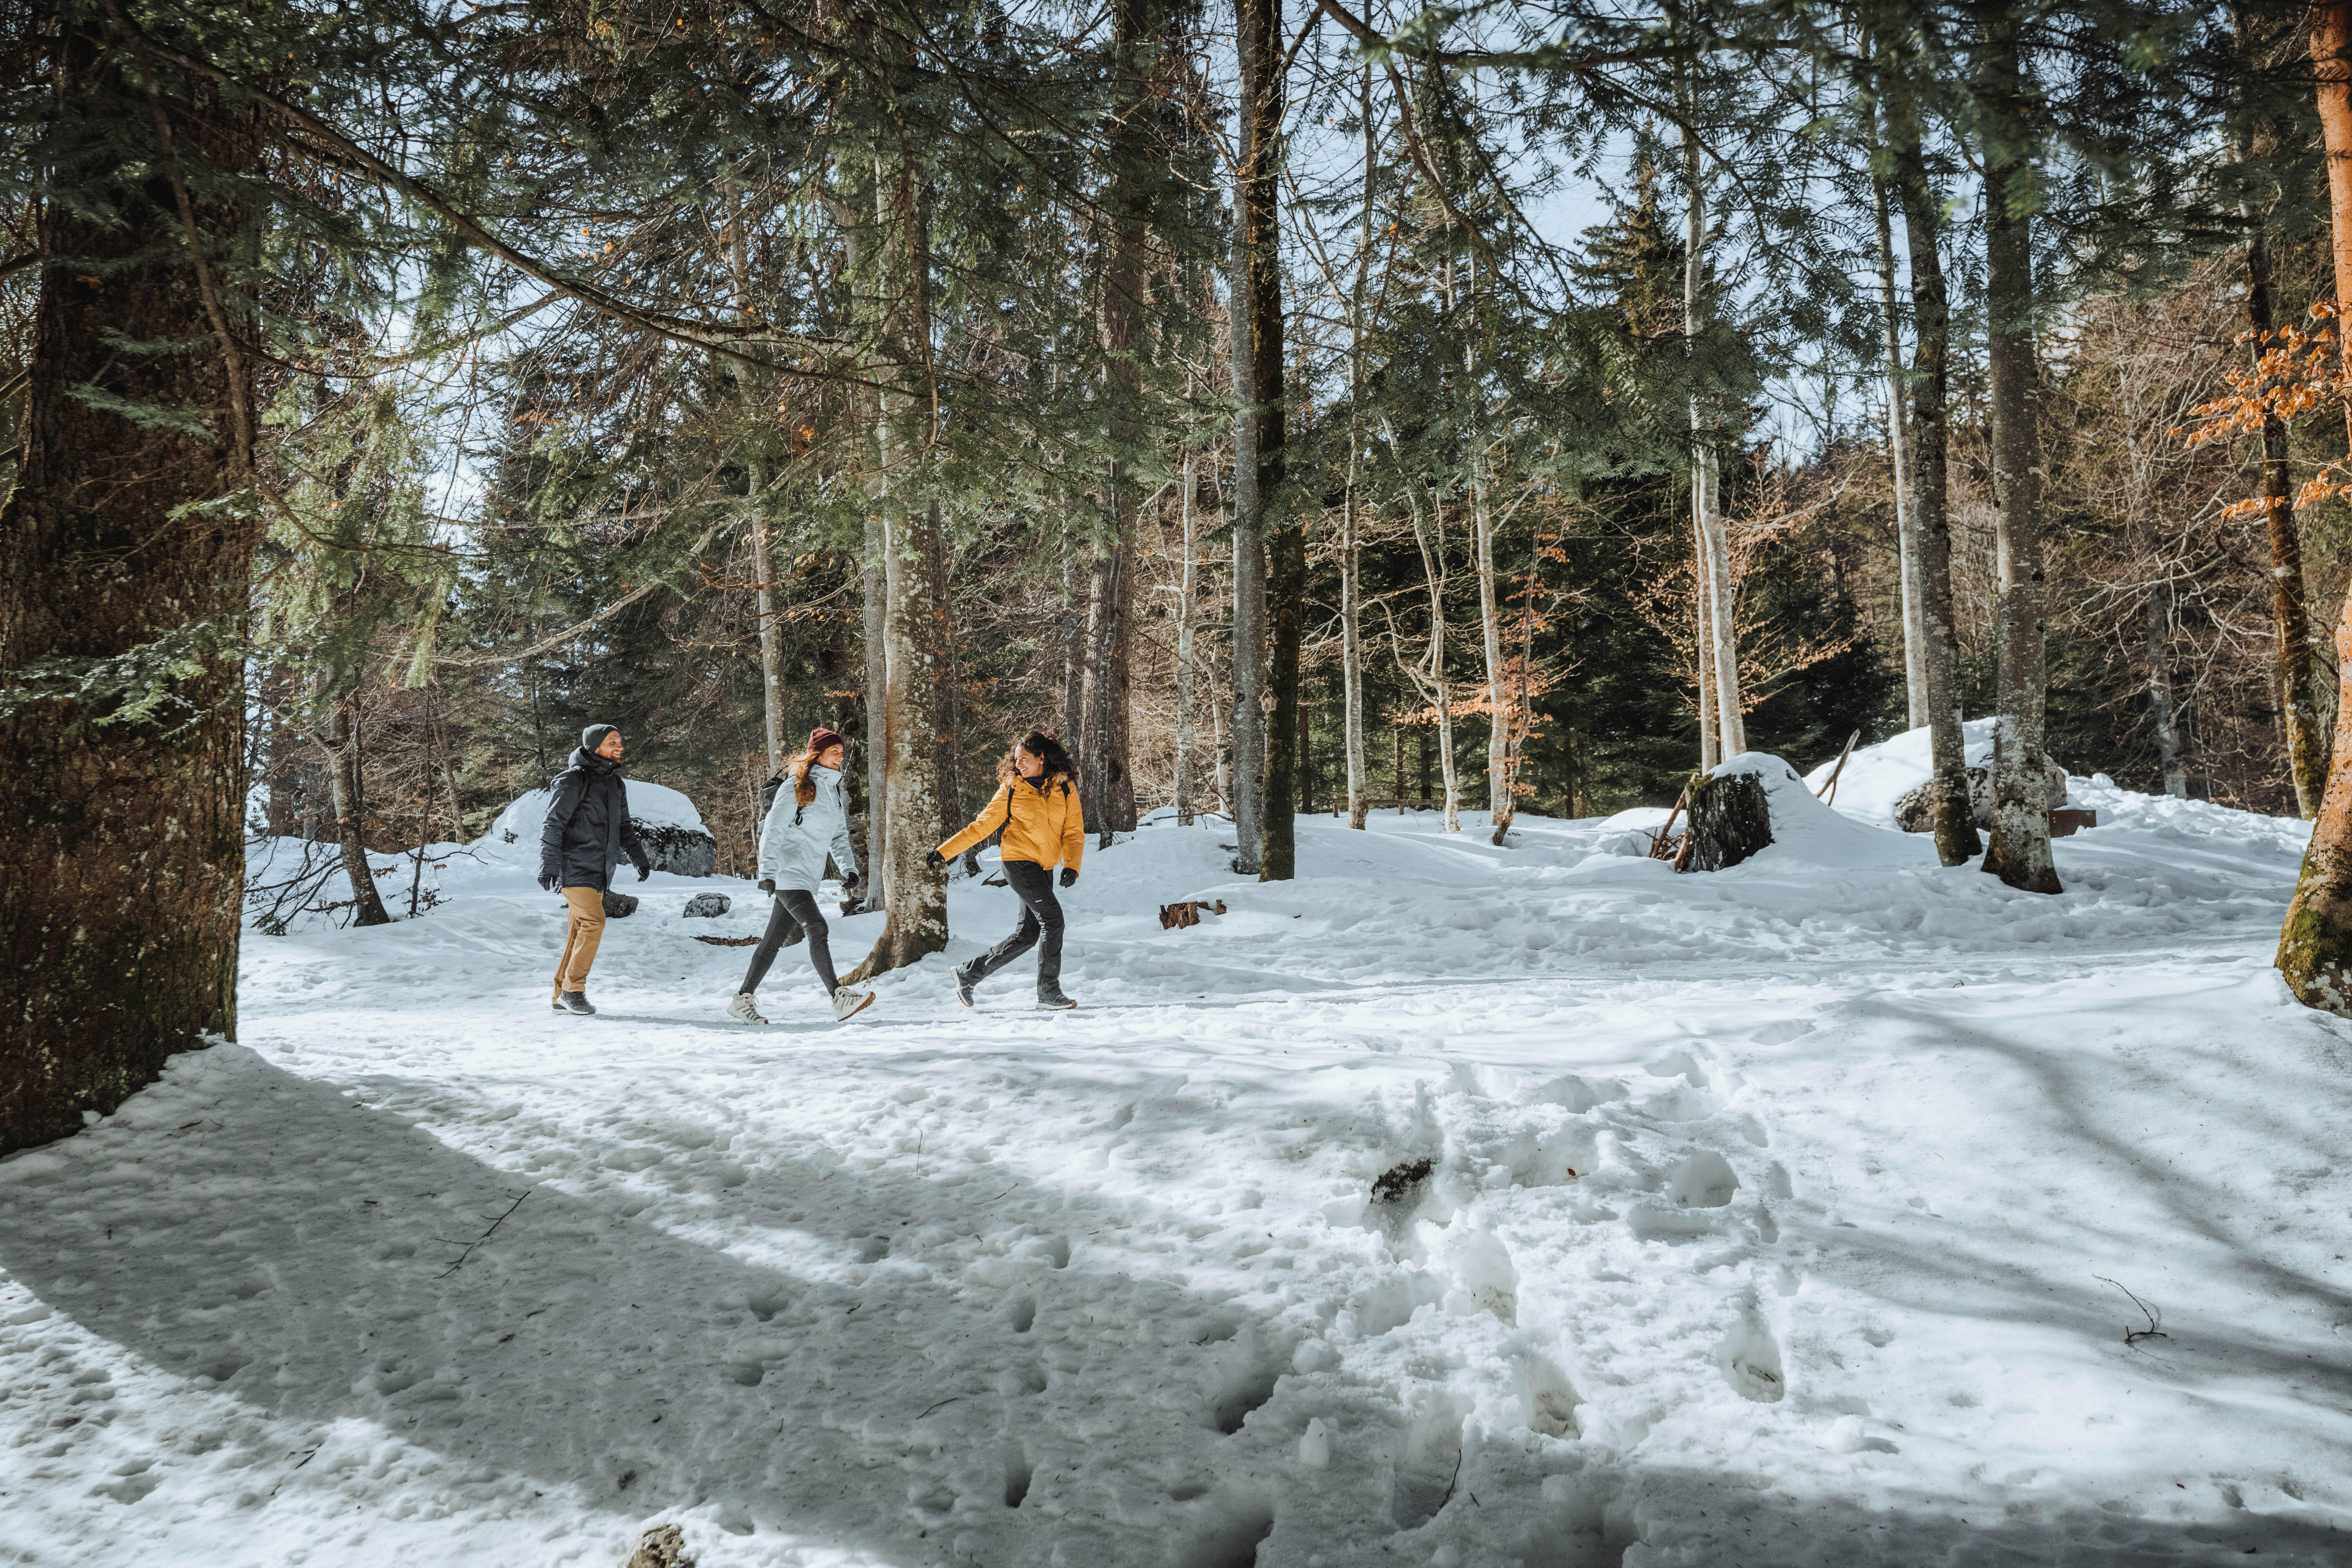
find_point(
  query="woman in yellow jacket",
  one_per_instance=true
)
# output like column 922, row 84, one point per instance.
column 1036, row 805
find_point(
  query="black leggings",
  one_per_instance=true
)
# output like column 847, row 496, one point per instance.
column 791, row 910
column 1041, row 916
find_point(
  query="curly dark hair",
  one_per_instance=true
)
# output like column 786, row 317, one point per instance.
column 1040, row 744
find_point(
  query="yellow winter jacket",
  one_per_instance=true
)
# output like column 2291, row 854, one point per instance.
column 1041, row 819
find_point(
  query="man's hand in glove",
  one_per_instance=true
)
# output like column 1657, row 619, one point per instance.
column 546, row 880
column 645, row 869
column 934, row 859
column 849, row 884
column 1069, row 876
column 768, row 886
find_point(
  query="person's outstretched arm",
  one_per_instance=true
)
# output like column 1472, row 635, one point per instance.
column 996, row 814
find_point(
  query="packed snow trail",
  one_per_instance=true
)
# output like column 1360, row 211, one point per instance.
column 1785, row 1215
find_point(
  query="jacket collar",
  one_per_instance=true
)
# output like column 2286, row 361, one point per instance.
column 583, row 758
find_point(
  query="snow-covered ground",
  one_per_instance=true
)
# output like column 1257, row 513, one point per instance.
column 1784, row 1215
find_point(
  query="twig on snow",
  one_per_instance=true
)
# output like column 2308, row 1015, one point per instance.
column 2133, row 1336
column 477, row 1241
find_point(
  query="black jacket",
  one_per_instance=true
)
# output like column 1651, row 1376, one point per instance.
column 588, row 830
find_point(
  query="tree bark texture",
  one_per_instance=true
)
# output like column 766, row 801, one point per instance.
column 1186, row 584
column 121, row 847
column 1957, row 841
column 2163, row 707
column 2020, row 851
column 915, row 628
column 773, row 698
column 876, row 587
column 1258, row 298
column 2315, row 953
column 341, row 744
column 1898, row 442
column 1707, row 514
column 2299, row 696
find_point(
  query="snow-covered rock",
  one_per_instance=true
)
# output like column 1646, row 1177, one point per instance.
column 1883, row 785
column 665, row 818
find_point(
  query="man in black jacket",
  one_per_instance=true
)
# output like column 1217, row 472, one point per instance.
column 587, row 832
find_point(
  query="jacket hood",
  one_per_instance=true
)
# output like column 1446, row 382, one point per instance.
column 583, row 758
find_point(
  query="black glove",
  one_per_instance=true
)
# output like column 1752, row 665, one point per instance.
column 934, row 859
column 768, row 886
column 849, row 881
column 547, row 881
column 1069, row 876
column 645, row 869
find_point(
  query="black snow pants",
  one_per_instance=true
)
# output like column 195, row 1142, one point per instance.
column 792, row 910
column 1041, row 915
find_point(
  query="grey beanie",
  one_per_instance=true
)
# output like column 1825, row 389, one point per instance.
column 593, row 736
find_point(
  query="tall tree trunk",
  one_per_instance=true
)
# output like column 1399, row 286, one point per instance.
column 2020, row 851
column 121, row 851
column 915, row 629
column 2315, row 943
column 2163, row 709
column 773, row 698
column 341, row 744
column 1898, row 444
column 1263, row 756
column 1710, row 742
column 1185, row 584
column 1722, row 656
column 2298, row 693
column 876, row 585
column 1131, row 201
column 1957, row 841
column 1351, row 655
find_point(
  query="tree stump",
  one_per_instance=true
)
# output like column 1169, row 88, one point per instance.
column 1730, row 821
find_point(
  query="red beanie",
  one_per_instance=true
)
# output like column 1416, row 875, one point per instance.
column 820, row 738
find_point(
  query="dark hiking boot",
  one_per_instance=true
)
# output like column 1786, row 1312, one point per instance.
column 965, row 980
column 1053, row 1002
column 576, row 1002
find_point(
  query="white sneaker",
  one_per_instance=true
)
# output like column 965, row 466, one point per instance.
column 848, row 1004
column 742, row 1010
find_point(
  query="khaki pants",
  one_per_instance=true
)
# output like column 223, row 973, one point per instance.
column 581, row 932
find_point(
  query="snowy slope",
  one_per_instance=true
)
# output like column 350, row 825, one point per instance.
column 1769, row 1222
column 1875, row 777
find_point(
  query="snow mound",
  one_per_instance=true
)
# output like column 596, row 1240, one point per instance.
column 1805, row 831
column 665, row 819
column 1875, row 777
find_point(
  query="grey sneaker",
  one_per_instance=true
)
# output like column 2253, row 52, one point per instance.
column 740, row 1008
column 576, row 1002
column 965, row 980
column 1053, row 1002
column 848, row 1004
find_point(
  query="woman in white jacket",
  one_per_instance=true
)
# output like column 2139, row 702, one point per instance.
column 809, row 820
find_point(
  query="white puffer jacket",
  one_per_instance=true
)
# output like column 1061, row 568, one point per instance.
column 795, row 840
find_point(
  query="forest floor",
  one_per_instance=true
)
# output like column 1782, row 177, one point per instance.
column 1800, row 1214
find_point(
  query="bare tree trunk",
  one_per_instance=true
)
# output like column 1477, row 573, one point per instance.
column 1715, row 554
column 877, row 720
column 341, row 741
column 2298, row 692
column 1710, row 742
column 1185, row 677
column 1429, row 676
column 915, row 630
column 2314, row 953
column 1898, row 442
column 771, row 626
column 1262, row 758
column 1955, row 829
column 1352, row 657
column 2155, row 622
column 2019, row 852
